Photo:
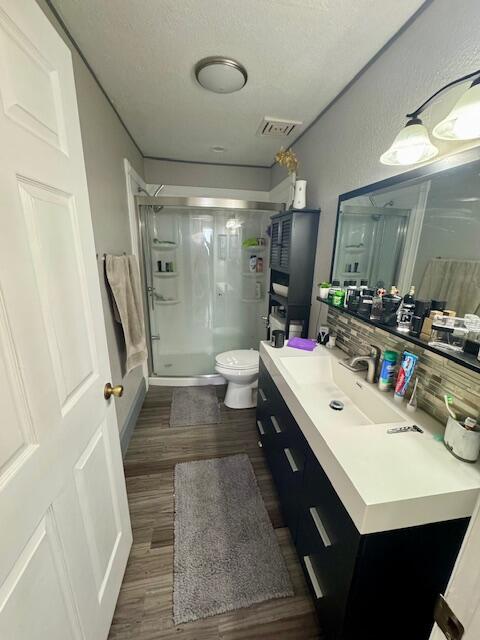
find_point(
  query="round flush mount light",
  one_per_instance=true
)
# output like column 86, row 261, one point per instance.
column 221, row 75
column 218, row 149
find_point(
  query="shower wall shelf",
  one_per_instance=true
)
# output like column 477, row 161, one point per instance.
column 252, row 299
column 258, row 247
column 165, row 274
column 164, row 247
column 166, row 302
column 253, row 274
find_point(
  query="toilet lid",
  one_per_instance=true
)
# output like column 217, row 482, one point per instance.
column 239, row 359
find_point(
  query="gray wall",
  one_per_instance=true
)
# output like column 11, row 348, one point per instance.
column 341, row 151
column 194, row 174
column 105, row 145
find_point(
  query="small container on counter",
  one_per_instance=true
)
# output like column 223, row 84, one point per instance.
column 462, row 440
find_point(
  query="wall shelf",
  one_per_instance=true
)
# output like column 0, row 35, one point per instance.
column 160, row 246
column 165, row 274
column 253, row 274
column 166, row 302
column 467, row 360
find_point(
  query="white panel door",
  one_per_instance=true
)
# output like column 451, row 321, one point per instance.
column 463, row 590
column 65, row 531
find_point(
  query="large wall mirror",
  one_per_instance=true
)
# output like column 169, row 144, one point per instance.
column 421, row 228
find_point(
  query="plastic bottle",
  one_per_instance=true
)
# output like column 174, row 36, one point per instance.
column 331, row 292
column 387, row 371
column 406, row 310
column 338, row 298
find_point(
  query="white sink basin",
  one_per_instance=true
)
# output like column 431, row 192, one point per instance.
column 331, row 381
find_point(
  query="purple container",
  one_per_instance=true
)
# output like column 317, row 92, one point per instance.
column 302, row 343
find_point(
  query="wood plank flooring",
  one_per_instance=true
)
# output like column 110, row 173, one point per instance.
column 144, row 608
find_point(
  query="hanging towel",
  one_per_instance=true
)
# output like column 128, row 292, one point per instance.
column 124, row 279
column 456, row 281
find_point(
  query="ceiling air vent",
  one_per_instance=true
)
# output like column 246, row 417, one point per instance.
column 276, row 128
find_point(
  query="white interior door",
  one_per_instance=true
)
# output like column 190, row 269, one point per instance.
column 64, row 525
column 463, row 591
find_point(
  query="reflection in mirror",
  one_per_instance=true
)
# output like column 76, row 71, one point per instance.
column 424, row 233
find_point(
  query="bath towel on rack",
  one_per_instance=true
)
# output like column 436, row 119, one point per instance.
column 124, row 279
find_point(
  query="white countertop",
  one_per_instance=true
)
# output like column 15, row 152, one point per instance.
column 385, row 481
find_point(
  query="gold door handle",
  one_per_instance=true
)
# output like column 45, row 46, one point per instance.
column 110, row 391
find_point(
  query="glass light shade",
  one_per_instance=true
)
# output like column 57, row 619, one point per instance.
column 220, row 75
column 463, row 121
column 411, row 146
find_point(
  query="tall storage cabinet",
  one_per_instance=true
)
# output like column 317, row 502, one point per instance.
column 292, row 261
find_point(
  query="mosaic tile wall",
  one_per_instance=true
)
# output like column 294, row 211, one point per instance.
column 436, row 375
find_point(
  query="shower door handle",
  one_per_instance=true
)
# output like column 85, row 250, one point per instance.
column 151, row 292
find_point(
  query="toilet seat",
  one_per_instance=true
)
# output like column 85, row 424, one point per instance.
column 238, row 360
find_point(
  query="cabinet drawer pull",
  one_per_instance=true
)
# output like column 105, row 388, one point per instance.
column 260, row 444
column 261, row 430
column 291, row 460
column 313, row 577
column 320, row 526
column 262, row 394
column 276, row 426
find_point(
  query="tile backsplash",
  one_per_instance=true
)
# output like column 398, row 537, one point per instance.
column 436, row 375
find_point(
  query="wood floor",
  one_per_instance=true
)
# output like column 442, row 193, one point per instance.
column 144, row 608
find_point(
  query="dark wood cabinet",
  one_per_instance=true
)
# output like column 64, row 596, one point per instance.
column 376, row 586
column 292, row 261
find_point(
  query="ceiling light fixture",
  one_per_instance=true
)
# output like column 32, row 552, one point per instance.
column 221, row 75
column 218, row 149
column 413, row 145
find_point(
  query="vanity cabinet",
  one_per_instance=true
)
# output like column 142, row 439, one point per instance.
column 373, row 586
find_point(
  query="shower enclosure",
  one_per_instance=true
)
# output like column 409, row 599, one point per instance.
column 205, row 268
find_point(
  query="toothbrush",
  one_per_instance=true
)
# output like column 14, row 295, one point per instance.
column 412, row 403
column 448, row 398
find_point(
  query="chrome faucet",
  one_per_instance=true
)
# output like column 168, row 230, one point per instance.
column 370, row 363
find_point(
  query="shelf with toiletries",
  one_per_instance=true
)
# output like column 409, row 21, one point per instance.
column 166, row 302
column 467, row 360
column 164, row 245
column 249, row 274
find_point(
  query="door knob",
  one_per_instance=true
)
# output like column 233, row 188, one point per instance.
column 110, row 391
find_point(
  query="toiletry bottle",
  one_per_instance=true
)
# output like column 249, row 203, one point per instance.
column 387, row 371
column 366, row 301
column 391, row 302
column 335, row 287
column 349, row 293
column 405, row 373
column 338, row 297
column 252, row 263
column 406, row 310
column 363, row 286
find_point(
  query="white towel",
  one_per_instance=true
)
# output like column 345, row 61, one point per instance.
column 124, row 279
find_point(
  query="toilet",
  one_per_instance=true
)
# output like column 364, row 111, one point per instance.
column 240, row 370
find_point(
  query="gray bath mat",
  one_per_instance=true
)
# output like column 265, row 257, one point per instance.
column 194, row 405
column 226, row 552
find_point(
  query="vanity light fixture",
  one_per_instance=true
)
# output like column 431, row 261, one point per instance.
column 220, row 75
column 413, row 145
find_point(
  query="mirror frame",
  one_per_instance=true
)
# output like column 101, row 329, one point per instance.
column 450, row 162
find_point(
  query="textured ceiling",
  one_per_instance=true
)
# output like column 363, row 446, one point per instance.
column 299, row 55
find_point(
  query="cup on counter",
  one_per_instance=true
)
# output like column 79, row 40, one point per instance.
column 463, row 443
column 277, row 339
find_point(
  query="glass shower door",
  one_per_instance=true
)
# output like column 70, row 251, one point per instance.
column 207, row 289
